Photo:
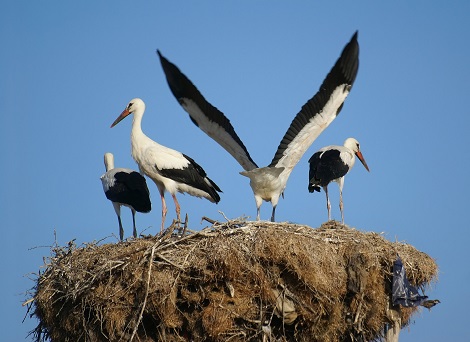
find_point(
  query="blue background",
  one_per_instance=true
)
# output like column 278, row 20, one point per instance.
column 68, row 69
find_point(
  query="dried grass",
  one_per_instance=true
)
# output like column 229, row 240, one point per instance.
column 233, row 281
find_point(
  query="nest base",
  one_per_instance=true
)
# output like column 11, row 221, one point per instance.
column 233, row 281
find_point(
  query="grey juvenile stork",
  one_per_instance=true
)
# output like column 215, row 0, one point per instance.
column 125, row 187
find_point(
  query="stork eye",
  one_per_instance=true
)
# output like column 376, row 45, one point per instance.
column 130, row 105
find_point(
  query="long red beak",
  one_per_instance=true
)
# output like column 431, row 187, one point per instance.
column 120, row 117
column 363, row 161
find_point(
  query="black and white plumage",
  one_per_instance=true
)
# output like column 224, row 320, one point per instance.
column 331, row 164
column 125, row 187
column 268, row 183
column 171, row 170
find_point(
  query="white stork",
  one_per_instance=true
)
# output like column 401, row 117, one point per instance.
column 125, row 187
column 171, row 170
column 331, row 164
column 268, row 183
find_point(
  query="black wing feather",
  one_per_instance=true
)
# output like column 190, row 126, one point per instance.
column 343, row 72
column 182, row 87
column 326, row 166
column 131, row 189
column 193, row 175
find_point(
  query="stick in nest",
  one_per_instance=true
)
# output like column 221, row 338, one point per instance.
column 139, row 319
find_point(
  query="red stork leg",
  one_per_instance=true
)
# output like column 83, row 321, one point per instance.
column 164, row 209
column 178, row 208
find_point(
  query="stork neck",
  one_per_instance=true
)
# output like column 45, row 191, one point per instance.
column 109, row 161
column 137, row 123
column 138, row 138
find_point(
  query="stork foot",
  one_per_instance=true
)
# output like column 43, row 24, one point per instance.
column 182, row 229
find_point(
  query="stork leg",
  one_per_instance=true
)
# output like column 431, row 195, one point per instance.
column 341, row 200
column 258, row 201
column 133, row 221
column 274, row 212
column 178, row 208
column 117, row 209
column 121, row 230
column 341, row 205
column 328, row 205
column 164, row 209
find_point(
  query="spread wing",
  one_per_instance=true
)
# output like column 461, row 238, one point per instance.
column 320, row 110
column 204, row 115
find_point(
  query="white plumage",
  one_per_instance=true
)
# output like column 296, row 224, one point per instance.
column 331, row 164
column 268, row 183
column 171, row 170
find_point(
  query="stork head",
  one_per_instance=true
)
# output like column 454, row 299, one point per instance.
column 108, row 161
column 133, row 106
column 354, row 146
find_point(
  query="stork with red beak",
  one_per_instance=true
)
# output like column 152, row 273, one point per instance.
column 171, row 170
column 331, row 164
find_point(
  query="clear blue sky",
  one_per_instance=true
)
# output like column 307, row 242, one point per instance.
column 68, row 70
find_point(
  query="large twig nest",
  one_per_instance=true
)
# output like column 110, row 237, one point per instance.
column 234, row 281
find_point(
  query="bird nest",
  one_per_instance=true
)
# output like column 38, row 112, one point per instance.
column 233, row 281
